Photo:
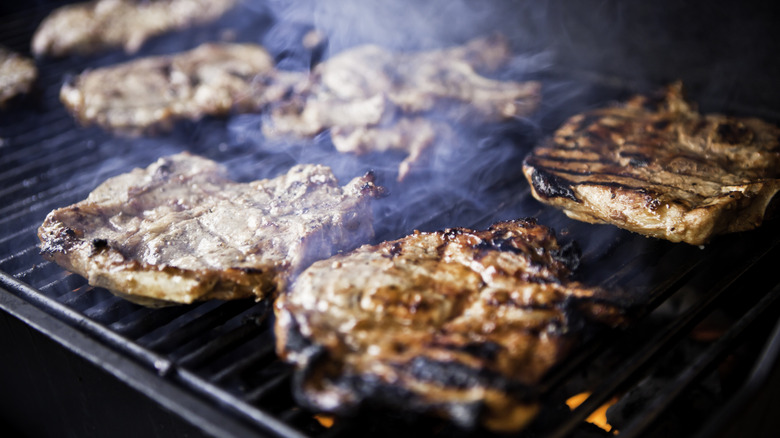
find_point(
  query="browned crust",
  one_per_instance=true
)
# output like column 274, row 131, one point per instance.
column 657, row 167
column 459, row 323
column 179, row 231
column 107, row 268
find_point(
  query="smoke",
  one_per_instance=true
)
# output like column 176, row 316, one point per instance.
column 586, row 54
column 463, row 178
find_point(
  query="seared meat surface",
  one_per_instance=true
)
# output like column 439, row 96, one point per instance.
column 180, row 231
column 378, row 93
column 460, row 323
column 656, row 166
column 94, row 26
column 150, row 94
column 17, row 75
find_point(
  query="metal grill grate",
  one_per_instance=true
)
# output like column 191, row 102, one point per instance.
column 217, row 357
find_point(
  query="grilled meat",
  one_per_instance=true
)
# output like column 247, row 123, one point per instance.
column 655, row 166
column 377, row 93
column 460, row 323
column 180, row 231
column 17, row 75
column 150, row 94
column 90, row 27
column 413, row 135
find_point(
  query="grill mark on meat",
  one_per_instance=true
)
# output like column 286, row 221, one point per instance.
column 696, row 183
column 626, row 174
column 615, row 184
column 636, row 159
column 656, row 166
column 564, row 160
column 589, row 181
column 546, row 192
column 695, row 179
column 550, row 185
column 508, row 243
column 180, row 231
column 463, row 324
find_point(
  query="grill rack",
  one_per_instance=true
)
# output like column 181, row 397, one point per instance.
column 213, row 363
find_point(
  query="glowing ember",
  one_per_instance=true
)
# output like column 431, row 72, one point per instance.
column 324, row 420
column 599, row 416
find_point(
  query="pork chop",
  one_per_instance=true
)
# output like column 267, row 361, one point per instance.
column 378, row 94
column 150, row 94
column 17, row 75
column 180, row 230
column 459, row 323
column 658, row 167
column 91, row 27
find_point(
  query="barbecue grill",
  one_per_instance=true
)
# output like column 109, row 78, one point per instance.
column 699, row 358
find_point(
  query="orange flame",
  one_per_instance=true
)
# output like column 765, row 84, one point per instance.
column 325, row 420
column 597, row 417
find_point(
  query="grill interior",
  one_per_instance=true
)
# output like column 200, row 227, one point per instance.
column 213, row 363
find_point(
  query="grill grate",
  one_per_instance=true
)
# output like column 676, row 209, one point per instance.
column 220, row 354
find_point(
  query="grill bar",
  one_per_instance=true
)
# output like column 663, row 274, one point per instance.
column 218, row 357
column 191, row 324
column 628, row 270
column 199, row 413
column 270, row 386
column 754, row 421
column 170, row 369
column 653, row 350
column 144, row 320
column 216, row 346
column 659, row 293
column 238, row 405
column 73, row 318
column 704, row 363
column 262, row 355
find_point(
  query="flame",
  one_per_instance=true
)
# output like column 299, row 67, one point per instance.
column 325, row 420
column 599, row 416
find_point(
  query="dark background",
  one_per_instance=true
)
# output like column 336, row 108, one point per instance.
column 722, row 50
